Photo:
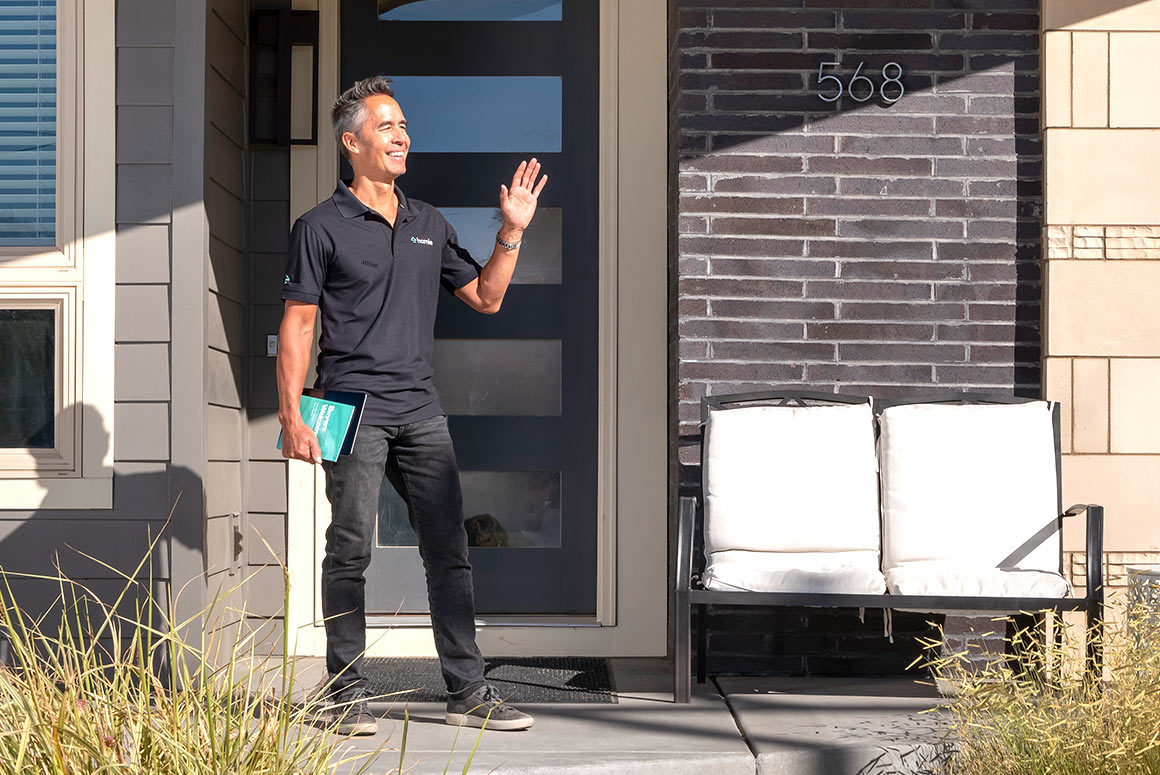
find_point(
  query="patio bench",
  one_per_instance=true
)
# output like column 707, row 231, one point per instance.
column 938, row 504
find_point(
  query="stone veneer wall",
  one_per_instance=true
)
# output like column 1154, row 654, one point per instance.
column 854, row 246
column 1102, row 340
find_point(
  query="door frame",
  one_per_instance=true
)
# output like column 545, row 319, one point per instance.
column 632, row 560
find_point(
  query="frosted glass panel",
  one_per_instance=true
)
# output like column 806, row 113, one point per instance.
column 502, row 509
column 28, row 355
column 474, row 114
column 498, row 376
column 540, row 255
column 27, row 123
column 471, row 10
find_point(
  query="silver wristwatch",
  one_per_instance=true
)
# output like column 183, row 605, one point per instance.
column 507, row 245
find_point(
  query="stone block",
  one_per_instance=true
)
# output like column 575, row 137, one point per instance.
column 1133, row 242
column 1057, row 79
column 1058, row 240
column 1100, row 14
column 1090, row 405
column 1135, row 410
column 1057, row 385
column 1089, row 79
column 1099, row 176
column 1127, row 486
column 1104, row 308
column 1134, row 63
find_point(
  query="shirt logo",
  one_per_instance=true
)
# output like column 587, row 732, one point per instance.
column 286, row 280
column 421, row 241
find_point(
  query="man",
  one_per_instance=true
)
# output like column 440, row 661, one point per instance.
column 372, row 261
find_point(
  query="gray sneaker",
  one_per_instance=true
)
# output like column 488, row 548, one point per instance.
column 484, row 708
column 350, row 712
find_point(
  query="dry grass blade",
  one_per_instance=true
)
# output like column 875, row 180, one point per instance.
column 1031, row 710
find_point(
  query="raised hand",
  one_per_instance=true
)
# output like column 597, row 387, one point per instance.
column 518, row 204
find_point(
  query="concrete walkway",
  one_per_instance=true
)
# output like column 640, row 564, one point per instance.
column 734, row 726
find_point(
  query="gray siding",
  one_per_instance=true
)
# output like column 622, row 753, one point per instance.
column 267, row 224
column 146, row 480
column 225, row 299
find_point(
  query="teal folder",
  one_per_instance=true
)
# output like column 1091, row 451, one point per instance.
column 334, row 417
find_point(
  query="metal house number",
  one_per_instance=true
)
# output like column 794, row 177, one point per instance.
column 894, row 81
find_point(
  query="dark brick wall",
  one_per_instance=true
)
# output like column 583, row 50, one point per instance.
column 859, row 247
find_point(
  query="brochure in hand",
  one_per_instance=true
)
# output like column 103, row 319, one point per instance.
column 334, row 416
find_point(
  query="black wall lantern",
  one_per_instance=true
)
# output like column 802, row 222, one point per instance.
column 283, row 59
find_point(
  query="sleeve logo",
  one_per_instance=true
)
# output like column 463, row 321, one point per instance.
column 286, row 280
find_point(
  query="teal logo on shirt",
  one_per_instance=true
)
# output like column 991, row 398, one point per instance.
column 286, row 280
column 421, row 241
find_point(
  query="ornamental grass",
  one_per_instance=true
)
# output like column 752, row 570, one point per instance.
column 98, row 692
column 1033, row 711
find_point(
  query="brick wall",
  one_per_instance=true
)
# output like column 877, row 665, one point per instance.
column 860, row 247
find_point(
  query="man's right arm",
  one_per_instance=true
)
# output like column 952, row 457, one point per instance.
column 295, row 337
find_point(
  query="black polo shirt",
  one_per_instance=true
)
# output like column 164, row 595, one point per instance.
column 377, row 288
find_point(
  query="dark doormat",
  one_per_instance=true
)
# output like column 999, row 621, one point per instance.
column 519, row 680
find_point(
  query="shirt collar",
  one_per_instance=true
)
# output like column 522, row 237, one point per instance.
column 350, row 206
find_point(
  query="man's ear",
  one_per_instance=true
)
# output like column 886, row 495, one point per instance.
column 351, row 144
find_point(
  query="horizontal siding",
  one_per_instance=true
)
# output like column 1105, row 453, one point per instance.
column 223, row 433
column 226, row 269
column 224, row 211
column 223, row 488
column 113, row 547
column 225, row 186
column 224, row 161
column 224, row 330
column 223, row 378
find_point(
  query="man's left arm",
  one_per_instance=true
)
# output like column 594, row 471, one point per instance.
column 518, row 205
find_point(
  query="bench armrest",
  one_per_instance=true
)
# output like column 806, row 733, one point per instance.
column 1095, row 546
column 686, row 521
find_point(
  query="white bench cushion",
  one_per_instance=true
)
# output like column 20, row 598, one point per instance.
column 972, row 486
column 828, row 572
column 943, row 578
column 789, row 480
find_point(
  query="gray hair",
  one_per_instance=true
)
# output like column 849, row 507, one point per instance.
column 350, row 110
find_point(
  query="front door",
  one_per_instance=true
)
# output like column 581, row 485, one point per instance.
column 484, row 84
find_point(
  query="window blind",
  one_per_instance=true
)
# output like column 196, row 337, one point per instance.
column 27, row 123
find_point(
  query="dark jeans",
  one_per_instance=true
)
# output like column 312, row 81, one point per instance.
column 419, row 461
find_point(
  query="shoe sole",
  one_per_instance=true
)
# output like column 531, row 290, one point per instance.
column 358, row 729
column 465, row 720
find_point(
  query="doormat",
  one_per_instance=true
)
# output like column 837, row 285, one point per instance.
column 519, row 680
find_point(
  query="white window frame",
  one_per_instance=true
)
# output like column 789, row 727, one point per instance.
column 76, row 277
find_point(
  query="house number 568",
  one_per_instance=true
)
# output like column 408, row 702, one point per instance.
column 857, row 91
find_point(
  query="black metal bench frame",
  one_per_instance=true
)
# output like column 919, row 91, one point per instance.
column 688, row 591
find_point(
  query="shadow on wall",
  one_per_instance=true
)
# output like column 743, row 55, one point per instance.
column 95, row 548
column 870, row 243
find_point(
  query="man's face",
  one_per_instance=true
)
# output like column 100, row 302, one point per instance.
column 379, row 151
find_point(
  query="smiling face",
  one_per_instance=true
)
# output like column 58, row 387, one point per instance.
column 379, row 150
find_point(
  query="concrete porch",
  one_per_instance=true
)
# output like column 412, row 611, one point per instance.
column 733, row 726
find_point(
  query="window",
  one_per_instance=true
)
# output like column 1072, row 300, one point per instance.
column 56, row 249
column 28, row 123
column 471, row 10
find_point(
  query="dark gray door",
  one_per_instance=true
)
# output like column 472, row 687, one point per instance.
column 484, row 84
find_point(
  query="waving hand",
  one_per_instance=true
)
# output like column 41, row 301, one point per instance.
column 518, row 203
